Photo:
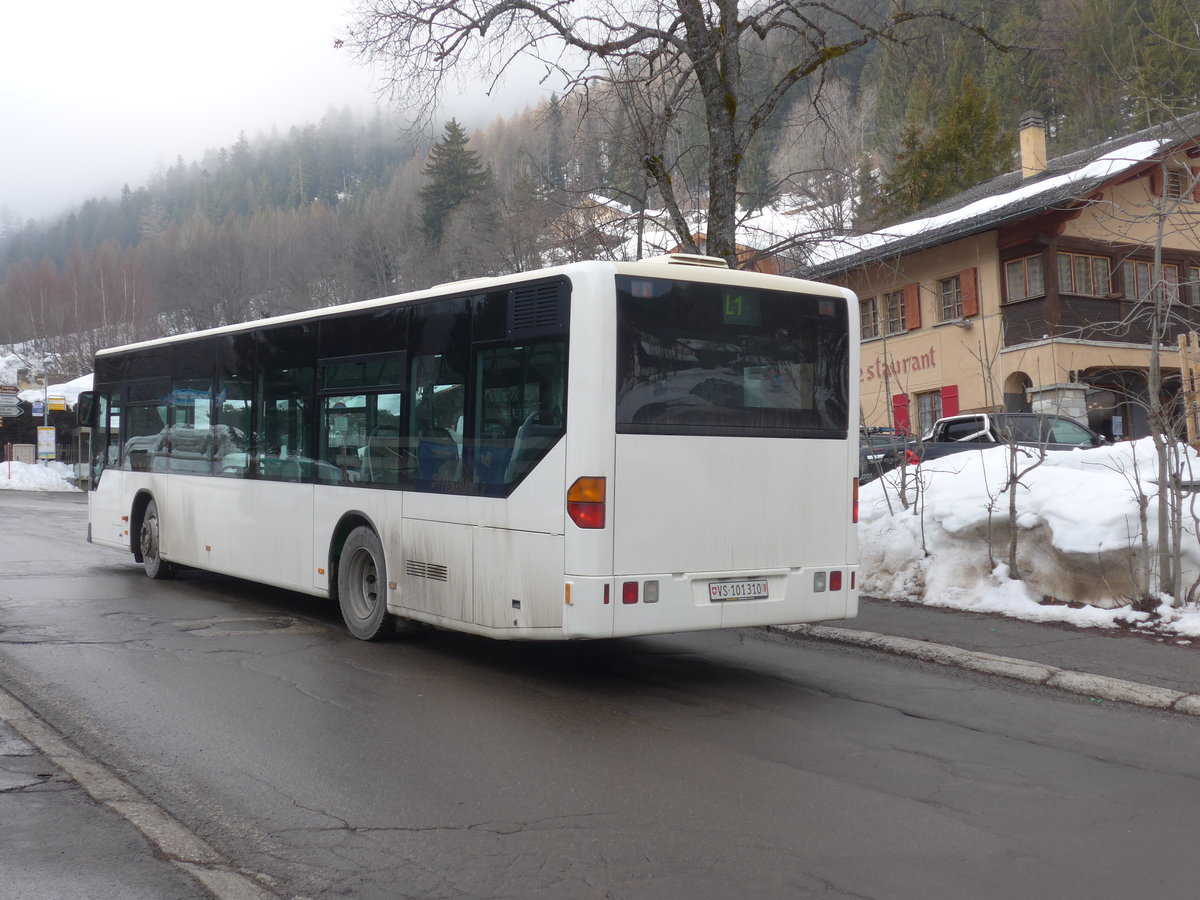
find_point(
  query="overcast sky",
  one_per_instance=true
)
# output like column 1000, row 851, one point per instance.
column 97, row 94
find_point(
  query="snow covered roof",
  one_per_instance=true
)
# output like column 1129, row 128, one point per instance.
column 1007, row 198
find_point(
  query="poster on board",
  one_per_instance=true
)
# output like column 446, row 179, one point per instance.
column 45, row 442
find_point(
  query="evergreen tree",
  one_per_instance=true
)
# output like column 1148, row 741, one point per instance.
column 758, row 186
column 1168, row 67
column 1022, row 79
column 1101, row 54
column 556, row 167
column 967, row 145
column 454, row 175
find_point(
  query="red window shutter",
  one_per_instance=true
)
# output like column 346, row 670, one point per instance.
column 912, row 306
column 969, row 282
column 1196, row 184
column 950, row 400
column 1156, row 181
column 900, row 413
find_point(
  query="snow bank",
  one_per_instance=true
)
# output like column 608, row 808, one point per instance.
column 52, row 476
column 1078, row 536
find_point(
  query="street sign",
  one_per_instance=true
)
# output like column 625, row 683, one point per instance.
column 10, row 412
column 9, row 389
column 39, row 408
column 9, row 405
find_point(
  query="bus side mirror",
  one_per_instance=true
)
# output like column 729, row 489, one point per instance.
column 85, row 409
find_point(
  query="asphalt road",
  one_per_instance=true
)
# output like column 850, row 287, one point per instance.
column 729, row 764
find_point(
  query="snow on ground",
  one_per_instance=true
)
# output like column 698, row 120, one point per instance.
column 1078, row 532
column 47, row 476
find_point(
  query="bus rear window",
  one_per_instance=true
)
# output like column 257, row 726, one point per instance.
column 697, row 358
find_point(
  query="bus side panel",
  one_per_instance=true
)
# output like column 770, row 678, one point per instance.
column 592, row 393
column 434, row 569
column 186, row 521
column 253, row 529
column 106, row 506
column 332, row 502
column 519, row 579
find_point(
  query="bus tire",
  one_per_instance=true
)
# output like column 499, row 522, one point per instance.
column 362, row 585
column 150, row 544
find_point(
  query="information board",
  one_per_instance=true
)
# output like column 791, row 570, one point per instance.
column 45, row 443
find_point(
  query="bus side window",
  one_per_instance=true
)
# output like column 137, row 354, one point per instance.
column 518, row 409
column 440, row 347
column 435, row 426
column 231, row 435
column 145, row 423
column 285, row 424
column 112, row 447
column 189, row 440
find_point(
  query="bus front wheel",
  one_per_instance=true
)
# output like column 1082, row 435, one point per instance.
column 149, row 538
column 362, row 584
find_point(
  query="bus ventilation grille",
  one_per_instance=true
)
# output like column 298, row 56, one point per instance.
column 432, row 571
column 535, row 309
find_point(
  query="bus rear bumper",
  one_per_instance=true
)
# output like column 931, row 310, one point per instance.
column 664, row 603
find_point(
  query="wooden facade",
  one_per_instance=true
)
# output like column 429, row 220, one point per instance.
column 1055, row 306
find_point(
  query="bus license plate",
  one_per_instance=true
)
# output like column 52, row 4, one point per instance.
column 755, row 589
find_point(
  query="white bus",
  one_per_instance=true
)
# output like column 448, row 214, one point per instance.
column 587, row 451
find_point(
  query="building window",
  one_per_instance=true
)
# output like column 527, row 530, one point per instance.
column 868, row 313
column 950, row 290
column 1024, row 278
column 894, row 302
column 1086, row 275
column 1138, row 277
column 929, row 410
column 1194, row 280
column 1177, row 185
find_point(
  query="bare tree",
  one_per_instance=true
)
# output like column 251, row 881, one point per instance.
column 824, row 144
column 683, row 45
column 1160, row 222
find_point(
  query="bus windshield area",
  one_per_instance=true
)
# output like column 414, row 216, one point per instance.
column 702, row 358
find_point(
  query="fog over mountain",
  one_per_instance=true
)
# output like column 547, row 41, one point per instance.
column 100, row 95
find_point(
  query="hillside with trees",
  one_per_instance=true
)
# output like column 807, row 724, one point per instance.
column 866, row 132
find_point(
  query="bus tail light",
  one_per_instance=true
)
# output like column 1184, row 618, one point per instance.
column 854, row 513
column 629, row 592
column 586, row 502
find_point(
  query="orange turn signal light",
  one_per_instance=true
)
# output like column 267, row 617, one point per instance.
column 586, row 501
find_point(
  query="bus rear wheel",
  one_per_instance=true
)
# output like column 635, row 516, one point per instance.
column 149, row 542
column 362, row 585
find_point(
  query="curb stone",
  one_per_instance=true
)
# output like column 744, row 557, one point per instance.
column 177, row 843
column 1099, row 687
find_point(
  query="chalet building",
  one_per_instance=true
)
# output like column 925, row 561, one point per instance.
column 1032, row 291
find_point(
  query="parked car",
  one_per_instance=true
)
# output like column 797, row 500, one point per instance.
column 954, row 434
column 880, row 450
